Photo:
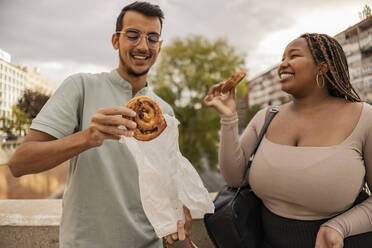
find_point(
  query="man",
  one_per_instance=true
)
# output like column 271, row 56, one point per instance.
column 81, row 122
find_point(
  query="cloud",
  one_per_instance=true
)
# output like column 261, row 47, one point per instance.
column 78, row 33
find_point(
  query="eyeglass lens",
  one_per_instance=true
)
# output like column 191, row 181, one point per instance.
column 135, row 36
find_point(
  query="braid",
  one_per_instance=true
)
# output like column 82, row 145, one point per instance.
column 326, row 49
column 342, row 60
column 334, row 68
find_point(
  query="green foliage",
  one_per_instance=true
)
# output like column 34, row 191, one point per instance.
column 28, row 106
column 183, row 75
column 22, row 121
column 7, row 126
column 18, row 124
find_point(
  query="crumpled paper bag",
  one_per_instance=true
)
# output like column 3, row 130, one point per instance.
column 167, row 180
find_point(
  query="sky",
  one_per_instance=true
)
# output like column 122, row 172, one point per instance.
column 63, row 37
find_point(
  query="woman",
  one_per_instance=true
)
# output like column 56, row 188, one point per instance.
column 316, row 155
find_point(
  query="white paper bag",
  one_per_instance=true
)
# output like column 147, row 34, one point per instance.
column 167, row 180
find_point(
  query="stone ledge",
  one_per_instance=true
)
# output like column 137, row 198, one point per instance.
column 30, row 212
column 35, row 223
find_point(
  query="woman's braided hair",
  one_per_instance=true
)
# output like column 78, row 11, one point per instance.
column 327, row 49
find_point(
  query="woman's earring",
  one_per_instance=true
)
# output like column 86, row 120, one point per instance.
column 317, row 81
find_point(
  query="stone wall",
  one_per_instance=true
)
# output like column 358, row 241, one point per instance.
column 34, row 186
column 35, row 223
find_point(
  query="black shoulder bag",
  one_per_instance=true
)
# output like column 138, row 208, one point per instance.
column 236, row 222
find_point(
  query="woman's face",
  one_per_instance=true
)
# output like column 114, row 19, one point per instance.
column 298, row 71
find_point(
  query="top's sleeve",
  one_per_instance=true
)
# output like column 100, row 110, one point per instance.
column 234, row 152
column 358, row 219
column 60, row 117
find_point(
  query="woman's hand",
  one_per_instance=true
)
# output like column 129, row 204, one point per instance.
column 182, row 229
column 224, row 105
column 328, row 238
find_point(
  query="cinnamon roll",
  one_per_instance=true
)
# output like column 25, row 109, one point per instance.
column 150, row 120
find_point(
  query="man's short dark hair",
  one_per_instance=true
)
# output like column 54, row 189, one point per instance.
column 144, row 8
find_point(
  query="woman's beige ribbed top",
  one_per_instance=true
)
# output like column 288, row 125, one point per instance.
column 305, row 183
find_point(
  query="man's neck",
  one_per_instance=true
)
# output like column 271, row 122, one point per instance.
column 137, row 82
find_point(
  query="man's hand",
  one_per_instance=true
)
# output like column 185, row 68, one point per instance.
column 328, row 238
column 182, row 229
column 105, row 124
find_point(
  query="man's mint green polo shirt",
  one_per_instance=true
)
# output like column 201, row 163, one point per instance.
column 101, row 202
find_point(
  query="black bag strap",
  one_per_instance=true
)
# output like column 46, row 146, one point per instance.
column 273, row 111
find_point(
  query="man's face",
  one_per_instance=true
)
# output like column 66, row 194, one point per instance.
column 136, row 59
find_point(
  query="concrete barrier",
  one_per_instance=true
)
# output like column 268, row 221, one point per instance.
column 29, row 223
column 35, row 223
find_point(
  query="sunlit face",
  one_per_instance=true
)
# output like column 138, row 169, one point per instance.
column 136, row 60
column 297, row 72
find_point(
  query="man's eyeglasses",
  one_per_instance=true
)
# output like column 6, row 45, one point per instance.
column 134, row 37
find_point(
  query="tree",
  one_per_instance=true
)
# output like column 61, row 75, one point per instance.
column 21, row 120
column 186, row 70
column 17, row 124
column 28, row 106
column 31, row 102
column 7, row 126
column 365, row 13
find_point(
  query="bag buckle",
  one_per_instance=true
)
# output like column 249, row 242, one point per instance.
column 274, row 109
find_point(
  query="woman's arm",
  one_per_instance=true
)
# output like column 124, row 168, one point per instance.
column 234, row 152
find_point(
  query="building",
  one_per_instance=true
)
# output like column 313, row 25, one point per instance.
column 357, row 44
column 12, row 84
column 37, row 82
column 265, row 89
column 15, row 79
column 356, row 41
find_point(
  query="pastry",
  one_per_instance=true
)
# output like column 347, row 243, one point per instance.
column 149, row 118
column 232, row 82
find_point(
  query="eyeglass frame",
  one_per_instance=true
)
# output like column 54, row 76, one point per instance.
column 135, row 43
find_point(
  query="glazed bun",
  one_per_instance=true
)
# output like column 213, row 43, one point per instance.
column 149, row 118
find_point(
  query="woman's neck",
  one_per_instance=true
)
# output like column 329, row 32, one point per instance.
column 312, row 104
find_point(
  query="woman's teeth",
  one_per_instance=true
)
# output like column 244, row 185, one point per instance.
column 285, row 76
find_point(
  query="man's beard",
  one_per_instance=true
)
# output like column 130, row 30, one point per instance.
column 130, row 71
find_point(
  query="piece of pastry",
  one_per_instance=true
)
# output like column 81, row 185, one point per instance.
column 232, row 82
column 150, row 120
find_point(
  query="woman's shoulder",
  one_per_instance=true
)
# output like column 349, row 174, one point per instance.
column 363, row 110
column 367, row 108
column 261, row 115
column 366, row 114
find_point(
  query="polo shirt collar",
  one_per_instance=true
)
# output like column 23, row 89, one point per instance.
column 117, row 79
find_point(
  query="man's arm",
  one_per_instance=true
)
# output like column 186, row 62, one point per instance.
column 40, row 151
